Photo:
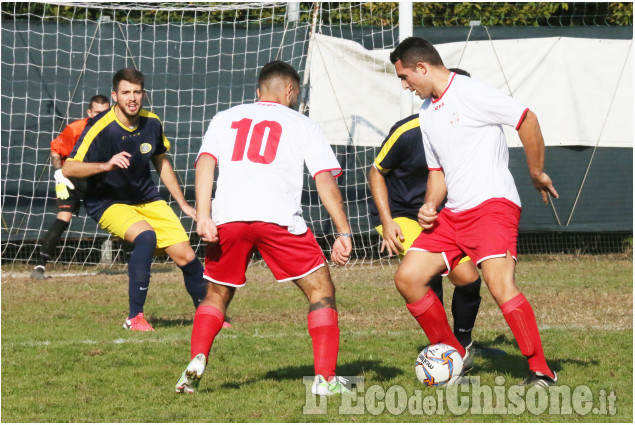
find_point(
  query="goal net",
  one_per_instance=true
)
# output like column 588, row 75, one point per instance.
column 198, row 59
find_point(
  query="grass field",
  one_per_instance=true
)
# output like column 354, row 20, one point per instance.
column 65, row 357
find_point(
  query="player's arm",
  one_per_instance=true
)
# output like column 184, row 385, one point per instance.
column 435, row 194
column 168, row 177
column 79, row 169
column 393, row 235
column 534, row 144
column 331, row 197
column 203, row 185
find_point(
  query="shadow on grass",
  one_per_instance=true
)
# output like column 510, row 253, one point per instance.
column 164, row 322
column 355, row 368
column 512, row 364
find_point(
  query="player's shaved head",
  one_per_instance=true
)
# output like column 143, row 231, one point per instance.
column 127, row 74
column 414, row 50
column 276, row 75
column 98, row 99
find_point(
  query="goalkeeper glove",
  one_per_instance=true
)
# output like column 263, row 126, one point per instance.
column 62, row 184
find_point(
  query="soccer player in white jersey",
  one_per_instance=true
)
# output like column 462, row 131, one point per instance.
column 260, row 150
column 461, row 123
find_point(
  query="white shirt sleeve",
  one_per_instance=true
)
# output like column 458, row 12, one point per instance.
column 319, row 156
column 431, row 156
column 491, row 106
column 211, row 142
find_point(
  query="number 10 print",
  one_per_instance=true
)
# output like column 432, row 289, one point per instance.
column 263, row 144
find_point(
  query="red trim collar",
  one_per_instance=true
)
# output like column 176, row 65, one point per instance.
column 446, row 89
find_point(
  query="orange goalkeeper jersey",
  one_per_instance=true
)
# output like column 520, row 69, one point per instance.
column 63, row 144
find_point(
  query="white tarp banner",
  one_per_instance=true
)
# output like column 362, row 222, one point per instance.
column 581, row 89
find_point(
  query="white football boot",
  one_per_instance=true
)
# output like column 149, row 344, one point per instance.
column 191, row 376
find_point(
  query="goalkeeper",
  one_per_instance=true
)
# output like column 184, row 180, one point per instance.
column 69, row 192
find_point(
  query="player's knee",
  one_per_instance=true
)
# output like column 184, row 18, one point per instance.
column 403, row 281
column 146, row 239
column 471, row 289
column 503, row 293
column 64, row 216
column 181, row 253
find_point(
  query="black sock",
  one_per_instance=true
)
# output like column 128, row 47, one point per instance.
column 436, row 284
column 51, row 239
column 465, row 304
column 139, row 271
column 194, row 282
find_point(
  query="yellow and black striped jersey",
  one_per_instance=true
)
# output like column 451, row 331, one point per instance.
column 402, row 160
column 104, row 137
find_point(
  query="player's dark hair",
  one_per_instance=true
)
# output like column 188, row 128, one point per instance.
column 460, row 71
column 127, row 74
column 98, row 98
column 413, row 50
column 277, row 69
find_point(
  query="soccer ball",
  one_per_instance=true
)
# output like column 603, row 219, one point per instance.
column 437, row 364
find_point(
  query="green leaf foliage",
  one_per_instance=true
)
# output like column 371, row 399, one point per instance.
column 373, row 14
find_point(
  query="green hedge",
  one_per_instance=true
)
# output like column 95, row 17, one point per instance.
column 375, row 14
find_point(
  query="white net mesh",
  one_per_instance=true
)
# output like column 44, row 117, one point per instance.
column 198, row 59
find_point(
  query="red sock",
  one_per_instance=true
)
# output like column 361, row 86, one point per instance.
column 208, row 321
column 431, row 316
column 325, row 335
column 520, row 318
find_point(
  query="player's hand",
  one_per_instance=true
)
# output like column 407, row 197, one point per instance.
column 341, row 252
column 427, row 215
column 393, row 237
column 62, row 184
column 120, row 160
column 189, row 211
column 206, row 229
column 544, row 185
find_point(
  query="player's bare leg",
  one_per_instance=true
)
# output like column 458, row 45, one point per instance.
column 184, row 257
column 324, row 330
column 498, row 274
column 319, row 289
column 208, row 321
column 414, row 272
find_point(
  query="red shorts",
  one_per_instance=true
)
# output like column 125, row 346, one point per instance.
column 288, row 256
column 486, row 231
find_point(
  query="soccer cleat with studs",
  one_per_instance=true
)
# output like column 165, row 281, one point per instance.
column 539, row 379
column 138, row 323
column 468, row 364
column 337, row 385
column 468, row 359
column 191, row 376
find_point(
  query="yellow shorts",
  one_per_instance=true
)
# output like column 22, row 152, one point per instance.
column 411, row 231
column 118, row 218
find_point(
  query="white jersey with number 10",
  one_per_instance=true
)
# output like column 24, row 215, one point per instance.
column 260, row 151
